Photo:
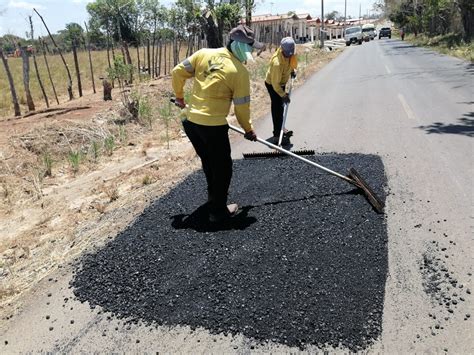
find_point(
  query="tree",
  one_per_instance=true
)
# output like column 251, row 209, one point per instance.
column 249, row 6
column 218, row 19
column 116, row 16
column 333, row 15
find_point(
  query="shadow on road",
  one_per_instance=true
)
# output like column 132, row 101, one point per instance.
column 465, row 126
column 199, row 221
column 306, row 265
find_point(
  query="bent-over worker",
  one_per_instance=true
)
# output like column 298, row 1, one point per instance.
column 282, row 64
column 220, row 78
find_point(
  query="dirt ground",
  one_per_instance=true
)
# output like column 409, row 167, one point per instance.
column 67, row 177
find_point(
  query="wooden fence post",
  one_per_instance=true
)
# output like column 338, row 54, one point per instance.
column 159, row 58
column 69, row 84
column 76, row 64
column 148, row 57
column 16, row 106
column 43, row 45
column 36, row 65
column 26, row 77
column 90, row 57
column 165, row 60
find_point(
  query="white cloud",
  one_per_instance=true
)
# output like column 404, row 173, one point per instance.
column 24, row 5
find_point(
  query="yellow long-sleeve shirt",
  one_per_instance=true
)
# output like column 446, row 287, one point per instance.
column 279, row 71
column 219, row 79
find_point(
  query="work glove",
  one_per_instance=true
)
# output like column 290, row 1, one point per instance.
column 251, row 136
column 180, row 103
column 286, row 99
column 293, row 74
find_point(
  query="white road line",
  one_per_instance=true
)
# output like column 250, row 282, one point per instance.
column 406, row 107
column 387, row 69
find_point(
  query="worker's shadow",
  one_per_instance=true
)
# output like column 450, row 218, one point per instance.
column 199, row 221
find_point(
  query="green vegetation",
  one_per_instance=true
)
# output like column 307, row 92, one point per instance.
column 433, row 17
column 47, row 164
column 450, row 44
column 109, row 145
column 94, row 151
column 75, row 159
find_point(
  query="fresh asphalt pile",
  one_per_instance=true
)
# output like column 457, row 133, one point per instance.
column 305, row 262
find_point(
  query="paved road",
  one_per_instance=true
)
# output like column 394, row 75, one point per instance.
column 412, row 107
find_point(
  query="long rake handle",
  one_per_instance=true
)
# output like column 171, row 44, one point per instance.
column 287, row 152
column 285, row 115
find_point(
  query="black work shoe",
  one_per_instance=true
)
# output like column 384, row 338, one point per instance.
column 232, row 210
column 273, row 140
column 285, row 141
column 288, row 134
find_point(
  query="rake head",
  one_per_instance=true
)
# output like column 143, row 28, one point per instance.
column 372, row 197
column 276, row 154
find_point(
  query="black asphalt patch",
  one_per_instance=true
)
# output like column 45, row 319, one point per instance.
column 305, row 262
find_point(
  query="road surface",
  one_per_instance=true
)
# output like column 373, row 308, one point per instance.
column 412, row 107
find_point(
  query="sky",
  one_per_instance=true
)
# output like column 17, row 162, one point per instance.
column 14, row 13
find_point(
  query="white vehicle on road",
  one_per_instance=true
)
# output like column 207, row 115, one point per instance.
column 369, row 30
column 353, row 35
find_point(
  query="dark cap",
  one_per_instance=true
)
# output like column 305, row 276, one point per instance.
column 244, row 34
column 288, row 46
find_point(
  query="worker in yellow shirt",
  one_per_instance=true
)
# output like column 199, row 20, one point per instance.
column 220, row 78
column 282, row 64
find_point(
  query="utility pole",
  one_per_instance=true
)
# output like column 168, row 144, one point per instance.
column 345, row 15
column 323, row 34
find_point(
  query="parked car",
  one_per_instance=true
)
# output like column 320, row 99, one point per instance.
column 368, row 30
column 385, row 32
column 353, row 35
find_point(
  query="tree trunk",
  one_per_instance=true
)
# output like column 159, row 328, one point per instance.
column 467, row 16
column 212, row 32
column 69, row 84
column 78, row 73
column 49, row 71
column 90, row 57
column 16, row 106
column 26, row 78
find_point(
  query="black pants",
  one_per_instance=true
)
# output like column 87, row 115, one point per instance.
column 277, row 109
column 213, row 147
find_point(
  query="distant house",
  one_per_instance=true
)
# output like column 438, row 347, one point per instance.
column 302, row 27
column 272, row 28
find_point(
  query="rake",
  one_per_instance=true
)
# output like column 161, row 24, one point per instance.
column 352, row 178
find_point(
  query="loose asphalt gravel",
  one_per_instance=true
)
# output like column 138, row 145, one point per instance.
column 305, row 262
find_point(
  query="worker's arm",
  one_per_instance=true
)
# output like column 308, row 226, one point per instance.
column 241, row 99
column 182, row 72
column 275, row 76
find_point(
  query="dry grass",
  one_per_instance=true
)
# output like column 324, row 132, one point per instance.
column 450, row 44
column 59, row 76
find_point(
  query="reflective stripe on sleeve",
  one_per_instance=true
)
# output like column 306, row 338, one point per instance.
column 241, row 100
column 188, row 66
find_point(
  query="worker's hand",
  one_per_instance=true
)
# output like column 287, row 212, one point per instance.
column 251, row 136
column 293, row 74
column 180, row 103
column 286, row 99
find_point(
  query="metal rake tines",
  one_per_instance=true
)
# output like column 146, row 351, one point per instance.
column 277, row 154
